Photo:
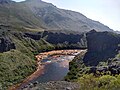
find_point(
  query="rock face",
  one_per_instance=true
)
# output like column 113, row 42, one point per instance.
column 60, row 38
column 112, row 69
column 56, row 38
column 101, row 47
column 6, row 44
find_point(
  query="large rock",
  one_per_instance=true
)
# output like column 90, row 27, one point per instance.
column 6, row 44
column 101, row 46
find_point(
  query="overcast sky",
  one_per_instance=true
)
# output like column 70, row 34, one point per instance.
column 104, row 11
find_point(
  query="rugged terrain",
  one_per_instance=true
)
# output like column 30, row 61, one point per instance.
column 33, row 26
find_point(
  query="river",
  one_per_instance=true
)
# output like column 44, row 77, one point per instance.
column 52, row 66
column 55, row 68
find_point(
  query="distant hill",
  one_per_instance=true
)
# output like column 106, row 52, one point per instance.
column 39, row 14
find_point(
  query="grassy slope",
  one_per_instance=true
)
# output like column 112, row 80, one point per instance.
column 18, row 14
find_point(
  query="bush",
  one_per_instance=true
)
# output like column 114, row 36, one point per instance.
column 105, row 82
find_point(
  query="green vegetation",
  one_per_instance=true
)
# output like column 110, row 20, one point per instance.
column 31, row 47
column 18, row 63
column 16, row 19
column 76, row 68
column 14, row 67
column 105, row 82
column 104, row 76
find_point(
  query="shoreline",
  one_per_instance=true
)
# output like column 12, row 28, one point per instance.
column 40, row 66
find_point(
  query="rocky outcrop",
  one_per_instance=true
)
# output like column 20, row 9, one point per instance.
column 56, row 38
column 101, row 47
column 103, row 70
column 73, row 39
column 6, row 44
column 35, row 36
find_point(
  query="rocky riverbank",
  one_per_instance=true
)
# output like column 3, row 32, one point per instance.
column 54, row 85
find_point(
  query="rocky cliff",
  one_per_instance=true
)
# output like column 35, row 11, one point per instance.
column 101, row 47
column 6, row 44
column 102, row 57
column 64, row 40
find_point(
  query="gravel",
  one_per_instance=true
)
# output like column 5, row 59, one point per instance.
column 53, row 85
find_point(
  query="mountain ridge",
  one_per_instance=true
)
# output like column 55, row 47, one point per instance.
column 39, row 14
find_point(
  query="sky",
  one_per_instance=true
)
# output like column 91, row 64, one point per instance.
column 104, row 11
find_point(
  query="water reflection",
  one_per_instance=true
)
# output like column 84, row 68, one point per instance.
column 55, row 68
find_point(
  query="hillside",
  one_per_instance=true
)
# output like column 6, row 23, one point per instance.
column 39, row 14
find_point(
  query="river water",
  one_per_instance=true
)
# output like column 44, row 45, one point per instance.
column 56, row 68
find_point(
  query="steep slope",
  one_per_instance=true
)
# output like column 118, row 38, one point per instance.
column 39, row 14
column 56, row 18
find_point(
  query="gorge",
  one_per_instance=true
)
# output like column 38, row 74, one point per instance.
column 45, row 47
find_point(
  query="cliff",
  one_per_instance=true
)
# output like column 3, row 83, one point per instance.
column 61, row 40
column 102, row 58
column 101, row 47
column 6, row 44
